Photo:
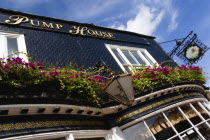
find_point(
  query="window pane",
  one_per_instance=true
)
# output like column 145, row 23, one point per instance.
column 12, row 46
column 204, row 130
column 129, row 57
column 160, row 127
column 119, row 57
column 206, row 107
column 201, row 111
column 194, row 118
column 137, row 132
column 150, row 61
column 178, row 120
column 191, row 135
column 138, row 58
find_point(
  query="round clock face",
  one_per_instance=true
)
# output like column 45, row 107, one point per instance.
column 192, row 52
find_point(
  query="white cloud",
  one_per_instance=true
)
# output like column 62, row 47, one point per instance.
column 149, row 15
column 173, row 25
column 118, row 25
column 146, row 21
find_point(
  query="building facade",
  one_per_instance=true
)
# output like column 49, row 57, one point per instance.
column 178, row 112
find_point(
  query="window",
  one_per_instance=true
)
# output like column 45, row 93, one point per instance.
column 129, row 57
column 11, row 43
column 177, row 123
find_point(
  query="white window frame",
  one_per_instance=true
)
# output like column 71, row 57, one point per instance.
column 20, row 42
column 128, row 64
column 177, row 106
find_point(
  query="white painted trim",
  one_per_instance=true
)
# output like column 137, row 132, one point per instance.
column 199, row 114
column 33, row 108
column 190, row 123
column 160, row 111
column 76, row 134
column 116, row 59
column 204, row 108
column 142, row 56
column 20, row 42
column 70, row 137
column 115, row 134
column 149, row 130
column 171, row 125
column 138, row 50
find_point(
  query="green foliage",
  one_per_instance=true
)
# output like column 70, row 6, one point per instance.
column 158, row 76
column 84, row 84
column 87, row 84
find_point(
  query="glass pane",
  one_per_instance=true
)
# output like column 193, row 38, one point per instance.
column 178, row 120
column 138, row 58
column 160, row 127
column 206, row 106
column 204, row 130
column 119, row 57
column 12, row 45
column 137, row 132
column 201, row 111
column 191, row 135
column 194, row 118
column 150, row 61
column 129, row 57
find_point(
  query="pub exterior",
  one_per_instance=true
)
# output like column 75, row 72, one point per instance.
column 168, row 112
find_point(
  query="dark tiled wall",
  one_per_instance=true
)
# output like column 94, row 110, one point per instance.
column 60, row 48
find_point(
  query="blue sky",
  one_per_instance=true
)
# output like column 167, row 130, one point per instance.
column 164, row 19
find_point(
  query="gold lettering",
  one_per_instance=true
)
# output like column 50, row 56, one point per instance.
column 78, row 31
column 99, row 33
column 82, row 31
column 17, row 19
column 111, row 35
column 91, row 32
column 75, row 30
column 105, row 34
column 58, row 26
column 32, row 23
column 48, row 25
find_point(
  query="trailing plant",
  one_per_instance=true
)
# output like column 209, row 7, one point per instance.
column 80, row 84
column 159, row 76
column 87, row 84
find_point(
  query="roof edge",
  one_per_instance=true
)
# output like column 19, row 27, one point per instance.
column 8, row 10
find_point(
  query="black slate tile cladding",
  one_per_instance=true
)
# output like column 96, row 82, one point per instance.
column 62, row 48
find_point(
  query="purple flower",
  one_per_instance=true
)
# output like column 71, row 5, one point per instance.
column 18, row 60
column 39, row 64
column 53, row 73
column 43, row 72
column 7, row 67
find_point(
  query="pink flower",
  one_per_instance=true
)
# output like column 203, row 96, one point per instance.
column 43, row 72
column 7, row 67
column 53, row 73
column 39, row 64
